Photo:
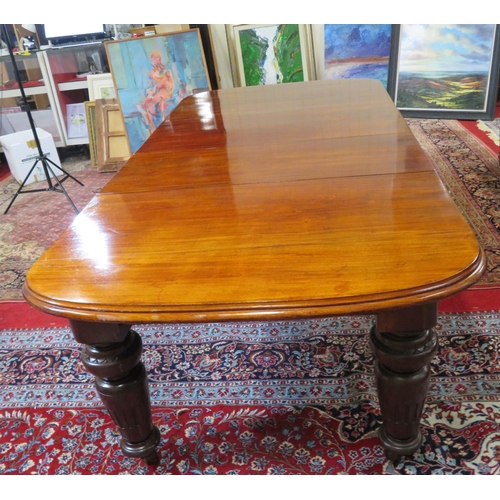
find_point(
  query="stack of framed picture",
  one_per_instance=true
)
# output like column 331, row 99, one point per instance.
column 108, row 142
column 429, row 70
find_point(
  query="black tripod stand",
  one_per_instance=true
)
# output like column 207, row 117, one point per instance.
column 42, row 157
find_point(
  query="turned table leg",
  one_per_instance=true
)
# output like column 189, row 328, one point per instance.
column 113, row 355
column 403, row 343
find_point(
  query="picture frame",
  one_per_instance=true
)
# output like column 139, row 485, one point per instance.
column 90, row 111
column 152, row 74
column 76, row 120
column 262, row 53
column 355, row 51
column 447, row 71
column 101, row 86
column 112, row 145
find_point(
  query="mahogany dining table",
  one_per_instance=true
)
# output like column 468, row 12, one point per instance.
column 274, row 202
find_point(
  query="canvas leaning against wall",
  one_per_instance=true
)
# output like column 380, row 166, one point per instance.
column 270, row 53
column 152, row 74
column 357, row 51
column 447, row 70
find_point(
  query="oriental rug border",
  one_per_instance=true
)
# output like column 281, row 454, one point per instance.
column 471, row 174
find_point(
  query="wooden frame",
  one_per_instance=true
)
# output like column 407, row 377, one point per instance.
column 152, row 74
column 290, row 43
column 112, row 144
column 92, row 126
column 355, row 51
column 447, row 71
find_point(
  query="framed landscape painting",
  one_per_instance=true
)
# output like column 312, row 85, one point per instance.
column 152, row 74
column 447, row 70
column 355, row 51
column 270, row 53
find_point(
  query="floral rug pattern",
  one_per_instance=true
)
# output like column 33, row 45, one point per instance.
column 286, row 397
column 35, row 221
column 472, row 175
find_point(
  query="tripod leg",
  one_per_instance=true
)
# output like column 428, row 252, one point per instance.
column 21, row 186
column 64, row 172
column 48, row 167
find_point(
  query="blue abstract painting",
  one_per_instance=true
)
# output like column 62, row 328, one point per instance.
column 357, row 51
column 152, row 75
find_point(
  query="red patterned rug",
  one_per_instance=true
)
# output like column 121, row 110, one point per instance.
column 288, row 397
column 471, row 173
column 281, row 398
column 487, row 132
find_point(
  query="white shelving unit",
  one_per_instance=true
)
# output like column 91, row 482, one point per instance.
column 39, row 93
column 73, row 85
column 66, row 68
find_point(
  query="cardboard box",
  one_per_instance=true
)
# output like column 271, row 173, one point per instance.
column 43, row 118
column 21, row 152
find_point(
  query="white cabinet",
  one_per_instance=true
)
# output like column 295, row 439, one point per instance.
column 39, row 93
column 55, row 84
column 68, row 68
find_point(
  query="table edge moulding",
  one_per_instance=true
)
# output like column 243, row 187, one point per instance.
column 272, row 202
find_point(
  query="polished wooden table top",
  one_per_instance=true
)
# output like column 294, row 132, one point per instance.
column 273, row 202
column 280, row 201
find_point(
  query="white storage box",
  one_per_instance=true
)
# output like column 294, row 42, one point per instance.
column 21, row 151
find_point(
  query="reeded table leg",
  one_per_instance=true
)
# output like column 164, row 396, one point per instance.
column 403, row 344
column 113, row 355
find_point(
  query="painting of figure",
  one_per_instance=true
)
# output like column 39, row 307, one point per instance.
column 357, row 51
column 446, row 67
column 152, row 75
column 270, row 54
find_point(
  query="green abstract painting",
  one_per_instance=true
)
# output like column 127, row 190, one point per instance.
column 269, row 54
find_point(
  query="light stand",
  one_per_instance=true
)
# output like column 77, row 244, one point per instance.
column 42, row 157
